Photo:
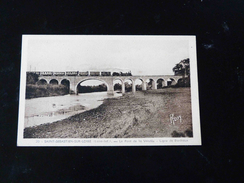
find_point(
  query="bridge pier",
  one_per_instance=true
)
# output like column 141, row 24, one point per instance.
column 110, row 92
column 165, row 83
column 73, row 89
column 133, row 87
column 123, row 87
column 144, row 87
column 110, row 87
column 154, row 86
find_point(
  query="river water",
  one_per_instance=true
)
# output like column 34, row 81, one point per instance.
column 50, row 109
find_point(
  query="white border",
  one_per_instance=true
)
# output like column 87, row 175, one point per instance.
column 196, row 140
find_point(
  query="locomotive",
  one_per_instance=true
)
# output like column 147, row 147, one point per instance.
column 106, row 73
column 122, row 73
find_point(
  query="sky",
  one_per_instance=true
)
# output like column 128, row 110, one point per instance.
column 143, row 55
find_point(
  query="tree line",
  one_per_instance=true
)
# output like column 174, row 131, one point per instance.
column 35, row 89
column 183, row 69
column 89, row 89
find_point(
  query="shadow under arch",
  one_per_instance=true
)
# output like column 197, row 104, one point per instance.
column 66, row 83
column 118, row 86
column 128, row 84
column 90, row 79
column 171, row 81
column 53, row 82
column 161, row 82
column 42, row 82
column 183, row 82
column 140, row 86
column 150, row 84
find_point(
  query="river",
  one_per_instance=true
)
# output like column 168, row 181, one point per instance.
column 50, row 109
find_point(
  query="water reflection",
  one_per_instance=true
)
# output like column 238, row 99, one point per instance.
column 50, row 109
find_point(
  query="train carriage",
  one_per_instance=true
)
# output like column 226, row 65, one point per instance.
column 71, row 73
column 59, row 73
column 37, row 73
column 84, row 73
column 94, row 73
column 47, row 73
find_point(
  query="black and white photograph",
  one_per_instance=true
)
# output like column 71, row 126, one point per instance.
column 108, row 90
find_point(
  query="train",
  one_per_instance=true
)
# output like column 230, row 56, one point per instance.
column 81, row 73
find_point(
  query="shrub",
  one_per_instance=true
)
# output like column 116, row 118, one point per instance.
column 34, row 91
column 189, row 133
column 176, row 134
column 31, row 78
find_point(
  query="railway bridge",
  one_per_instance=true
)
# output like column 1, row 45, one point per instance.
column 74, row 81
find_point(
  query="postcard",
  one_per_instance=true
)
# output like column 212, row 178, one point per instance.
column 108, row 90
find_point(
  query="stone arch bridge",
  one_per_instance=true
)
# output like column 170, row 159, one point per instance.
column 74, row 81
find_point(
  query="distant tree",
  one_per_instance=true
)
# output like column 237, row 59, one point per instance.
column 89, row 89
column 182, row 68
column 138, row 87
column 128, row 87
column 31, row 78
column 102, row 87
column 160, row 83
column 117, row 86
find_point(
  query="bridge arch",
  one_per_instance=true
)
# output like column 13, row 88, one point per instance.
column 127, row 85
column 117, row 78
column 177, row 80
column 118, row 84
column 64, row 79
column 161, row 82
column 66, row 82
column 42, row 82
column 183, row 82
column 171, row 81
column 53, row 82
column 89, row 79
column 151, row 84
column 140, row 84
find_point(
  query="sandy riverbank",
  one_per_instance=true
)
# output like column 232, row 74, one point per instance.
column 145, row 114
